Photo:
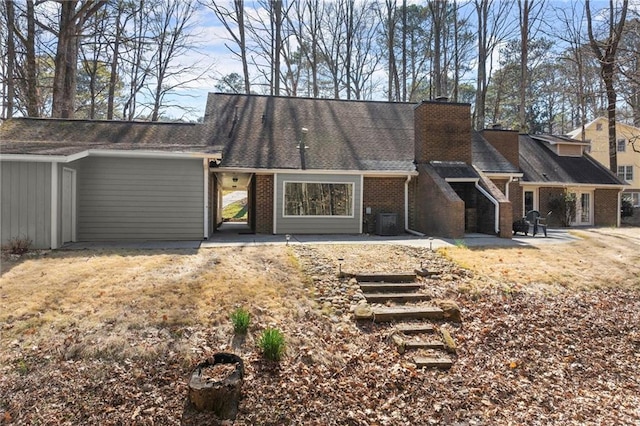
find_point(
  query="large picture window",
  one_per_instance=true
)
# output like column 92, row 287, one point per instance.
column 318, row 199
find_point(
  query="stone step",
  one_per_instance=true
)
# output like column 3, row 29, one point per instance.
column 369, row 287
column 420, row 344
column 396, row 297
column 399, row 313
column 387, row 278
column 419, row 328
column 433, row 362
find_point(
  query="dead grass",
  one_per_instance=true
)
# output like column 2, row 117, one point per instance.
column 604, row 258
column 100, row 303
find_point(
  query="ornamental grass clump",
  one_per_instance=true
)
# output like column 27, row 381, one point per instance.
column 240, row 319
column 271, row 342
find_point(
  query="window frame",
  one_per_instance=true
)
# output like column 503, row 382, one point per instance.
column 289, row 216
column 625, row 169
column 621, row 145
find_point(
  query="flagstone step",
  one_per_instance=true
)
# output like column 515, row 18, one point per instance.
column 396, row 297
column 369, row 287
column 433, row 362
column 387, row 278
column 420, row 344
column 399, row 313
column 417, row 328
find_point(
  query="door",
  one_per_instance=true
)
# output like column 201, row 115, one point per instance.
column 68, row 205
column 584, row 209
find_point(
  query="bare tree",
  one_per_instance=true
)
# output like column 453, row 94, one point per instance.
column 439, row 16
column 304, row 21
column 73, row 15
column 9, row 69
column 171, row 33
column 493, row 28
column 529, row 14
column 605, row 51
column 233, row 20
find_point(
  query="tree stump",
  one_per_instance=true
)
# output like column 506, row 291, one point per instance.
column 216, row 383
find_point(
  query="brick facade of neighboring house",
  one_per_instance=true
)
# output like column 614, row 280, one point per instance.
column 382, row 195
column 263, row 204
column 606, row 207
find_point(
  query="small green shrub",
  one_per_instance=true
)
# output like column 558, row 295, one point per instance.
column 19, row 245
column 460, row 244
column 271, row 342
column 240, row 319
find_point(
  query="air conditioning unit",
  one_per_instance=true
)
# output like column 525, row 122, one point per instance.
column 387, row 224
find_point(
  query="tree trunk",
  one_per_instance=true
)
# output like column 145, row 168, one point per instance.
column 605, row 52
column 11, row 60
column 219, row 394
column 524, row 56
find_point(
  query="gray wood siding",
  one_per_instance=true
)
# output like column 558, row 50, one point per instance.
column 140, row 199
column 318, row 225
column 25, row 194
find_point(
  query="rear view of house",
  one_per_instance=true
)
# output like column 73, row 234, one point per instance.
column 307, row 165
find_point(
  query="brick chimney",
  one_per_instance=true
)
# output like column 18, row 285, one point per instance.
column 442, row 131
column 505, row 141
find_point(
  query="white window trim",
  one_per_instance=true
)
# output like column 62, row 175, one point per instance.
column 535, row 199
column 284, row 200
column 624, row 174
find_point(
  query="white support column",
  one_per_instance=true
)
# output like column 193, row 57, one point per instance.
column 275, row 202
column 205, row 163
column 54, row 205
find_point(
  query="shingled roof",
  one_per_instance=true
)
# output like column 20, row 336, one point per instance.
column 265, row 132
column 540, row 164
column 66, row 137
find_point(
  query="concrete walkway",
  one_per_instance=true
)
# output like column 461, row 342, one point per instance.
column 235, row 235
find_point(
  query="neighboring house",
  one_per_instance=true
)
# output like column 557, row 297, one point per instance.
column 308, row 166
column 627, row 150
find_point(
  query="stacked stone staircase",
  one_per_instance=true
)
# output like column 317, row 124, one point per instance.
column 400, row 301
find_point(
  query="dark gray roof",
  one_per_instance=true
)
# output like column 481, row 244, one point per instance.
column 540, row 164
column 454, row 170
column 66, row 137
column 487, row 158
column 264, row 132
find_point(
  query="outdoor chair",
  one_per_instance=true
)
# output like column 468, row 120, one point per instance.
column 537, row 221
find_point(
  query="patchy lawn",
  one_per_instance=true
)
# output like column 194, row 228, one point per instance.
column 549, row 335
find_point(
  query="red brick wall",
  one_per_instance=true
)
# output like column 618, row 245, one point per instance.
column 506, row 142
column 438, row 209
column 515, row 196
column 442, row 132
column 545, row 196
column 383, row 195
column 264, row 204
column 606, row 207
column 505, row 219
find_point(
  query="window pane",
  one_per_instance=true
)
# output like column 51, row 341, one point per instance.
column 621, row 145
column 528, row 201
column 318, row 199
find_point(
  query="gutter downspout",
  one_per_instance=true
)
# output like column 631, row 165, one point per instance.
column 506, row 188
column 495, row 203
column 406, row 209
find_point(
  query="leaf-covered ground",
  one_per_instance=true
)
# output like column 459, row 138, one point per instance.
column 558, row 357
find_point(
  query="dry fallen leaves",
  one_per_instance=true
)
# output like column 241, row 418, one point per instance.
column 567, row 359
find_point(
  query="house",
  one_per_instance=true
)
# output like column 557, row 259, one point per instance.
column 628, row 152
column 308, row 166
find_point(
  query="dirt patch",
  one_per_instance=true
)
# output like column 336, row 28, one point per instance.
column 110, row 337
